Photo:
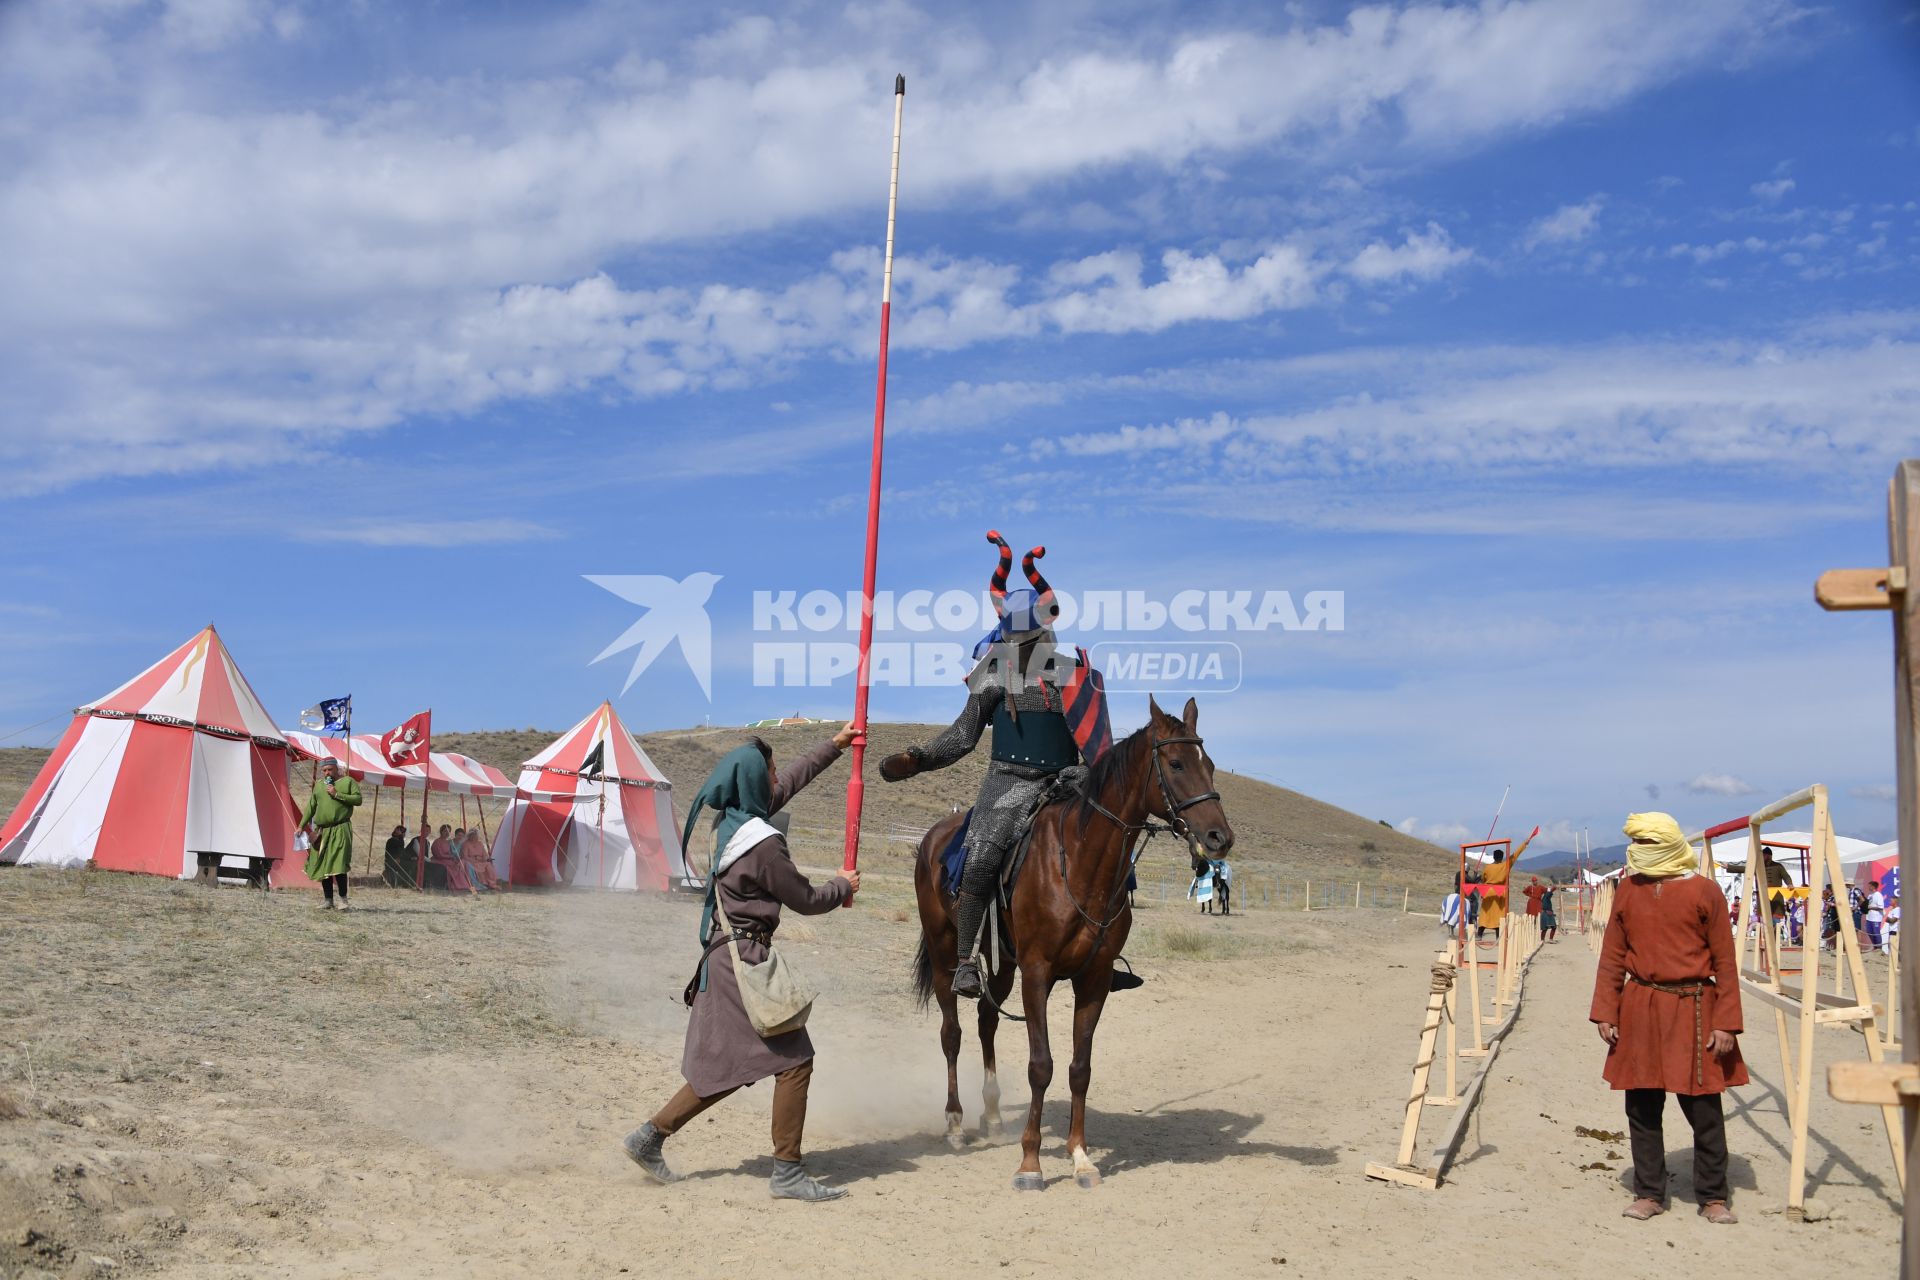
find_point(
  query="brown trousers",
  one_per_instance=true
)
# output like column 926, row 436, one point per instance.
column 789, row 1109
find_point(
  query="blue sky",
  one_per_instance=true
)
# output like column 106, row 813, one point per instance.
column 1570, row 342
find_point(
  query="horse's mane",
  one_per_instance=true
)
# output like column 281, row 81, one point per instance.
column 1108, row 768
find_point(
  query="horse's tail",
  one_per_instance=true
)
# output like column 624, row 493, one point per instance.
column 922, row 975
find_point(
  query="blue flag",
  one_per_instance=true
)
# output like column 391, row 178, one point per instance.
column 333, row 715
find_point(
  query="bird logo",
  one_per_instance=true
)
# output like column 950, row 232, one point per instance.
column 675, row 610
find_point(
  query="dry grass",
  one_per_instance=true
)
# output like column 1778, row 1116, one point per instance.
column 1279, row 832
column 1185, row 942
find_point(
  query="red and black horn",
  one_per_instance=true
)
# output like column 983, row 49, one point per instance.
column 1046, row 604
column 999, row 584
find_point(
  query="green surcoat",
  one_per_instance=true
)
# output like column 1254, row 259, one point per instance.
column 331, row 817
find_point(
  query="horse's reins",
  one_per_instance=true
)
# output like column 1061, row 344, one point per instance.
column 1175, row 825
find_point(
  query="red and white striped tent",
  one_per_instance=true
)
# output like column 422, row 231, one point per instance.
column 606, row 827
column 446, row 771
column 181, row 760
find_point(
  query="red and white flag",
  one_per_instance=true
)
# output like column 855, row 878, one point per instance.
column 410, row 742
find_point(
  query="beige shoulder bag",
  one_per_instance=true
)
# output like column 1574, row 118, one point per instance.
column 776, row 998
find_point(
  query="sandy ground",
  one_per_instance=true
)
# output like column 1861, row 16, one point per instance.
column 222, row 1083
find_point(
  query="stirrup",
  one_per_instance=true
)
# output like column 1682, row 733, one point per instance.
column 966, row 980
column 1125, row 979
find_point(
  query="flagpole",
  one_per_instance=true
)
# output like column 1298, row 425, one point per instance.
column 856, row 784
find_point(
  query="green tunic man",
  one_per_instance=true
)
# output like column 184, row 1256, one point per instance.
column 329, row 824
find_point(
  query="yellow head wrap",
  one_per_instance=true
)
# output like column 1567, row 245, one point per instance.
column 1666, row 854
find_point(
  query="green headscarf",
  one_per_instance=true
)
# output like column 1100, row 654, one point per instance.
column 739, row 789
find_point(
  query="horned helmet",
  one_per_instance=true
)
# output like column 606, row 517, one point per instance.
column 1024, row 614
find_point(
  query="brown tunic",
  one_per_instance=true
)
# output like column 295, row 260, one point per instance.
column 1674, row 932
column 723, row 1050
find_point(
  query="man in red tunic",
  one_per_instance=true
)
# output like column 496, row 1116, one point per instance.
column 1667, row 1002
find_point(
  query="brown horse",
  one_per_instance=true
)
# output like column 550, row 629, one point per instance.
column 1070, row 916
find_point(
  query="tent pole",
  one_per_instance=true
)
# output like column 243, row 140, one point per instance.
column 420, row 869
column 373, row 829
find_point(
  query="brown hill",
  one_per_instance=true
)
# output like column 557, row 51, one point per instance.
column 1278, row 833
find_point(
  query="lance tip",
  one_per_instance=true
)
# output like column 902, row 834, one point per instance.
column 899, row 85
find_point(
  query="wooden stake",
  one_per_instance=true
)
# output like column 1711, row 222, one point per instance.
column 1471, row 949
column 1893, row 990
column 1453, row 1023
column 1903, row 538
column 1423, row 1058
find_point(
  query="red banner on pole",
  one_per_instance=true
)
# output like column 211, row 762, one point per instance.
column 410, row 742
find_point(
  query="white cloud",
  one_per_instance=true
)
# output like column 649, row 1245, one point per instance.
column 425, row 533
column 1188, row 433
column 1773, row 190
column 1718, row 784
column 1424, row 255
column 186, row 245
column 169, row 403
column 1444, row 834
column 1831, row 396
column 1882, row 791
column 1566, row 225
column 203, row 26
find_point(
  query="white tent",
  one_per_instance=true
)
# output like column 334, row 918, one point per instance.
column 592, row 811
column 1871, row 853
column 179, row 762
column 1731, row 849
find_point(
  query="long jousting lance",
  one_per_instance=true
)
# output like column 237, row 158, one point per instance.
column 856, row 785
column 1502, row 809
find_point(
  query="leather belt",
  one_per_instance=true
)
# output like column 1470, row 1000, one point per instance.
column 1696, row 991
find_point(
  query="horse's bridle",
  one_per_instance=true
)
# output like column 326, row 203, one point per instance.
column 1116, row 897
column 1174, row 824
column 1175, row 806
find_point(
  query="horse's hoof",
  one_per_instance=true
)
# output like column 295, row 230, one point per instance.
column 1086, row 1181
column 991, row 1128
column 1029, row 1182
column 957, row 1140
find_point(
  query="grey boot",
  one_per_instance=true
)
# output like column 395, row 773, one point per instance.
column 968, row 910
column 791, row 1182
column 644, row 1147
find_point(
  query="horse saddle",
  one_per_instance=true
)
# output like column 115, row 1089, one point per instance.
column 1067, row 784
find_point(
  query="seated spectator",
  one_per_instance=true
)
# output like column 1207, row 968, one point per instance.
column 446, row 862
column 400, row 864
column 473, row 850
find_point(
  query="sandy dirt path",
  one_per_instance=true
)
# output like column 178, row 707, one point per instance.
column 460, row 1114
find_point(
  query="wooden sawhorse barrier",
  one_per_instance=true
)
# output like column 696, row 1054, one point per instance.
column 1519, row 940
column 1814, row 1007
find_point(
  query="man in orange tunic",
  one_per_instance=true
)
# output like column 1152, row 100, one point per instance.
column 1493, row 898
column 1667, row 1002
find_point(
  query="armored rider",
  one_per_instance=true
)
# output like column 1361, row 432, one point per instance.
column 1020, row 688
